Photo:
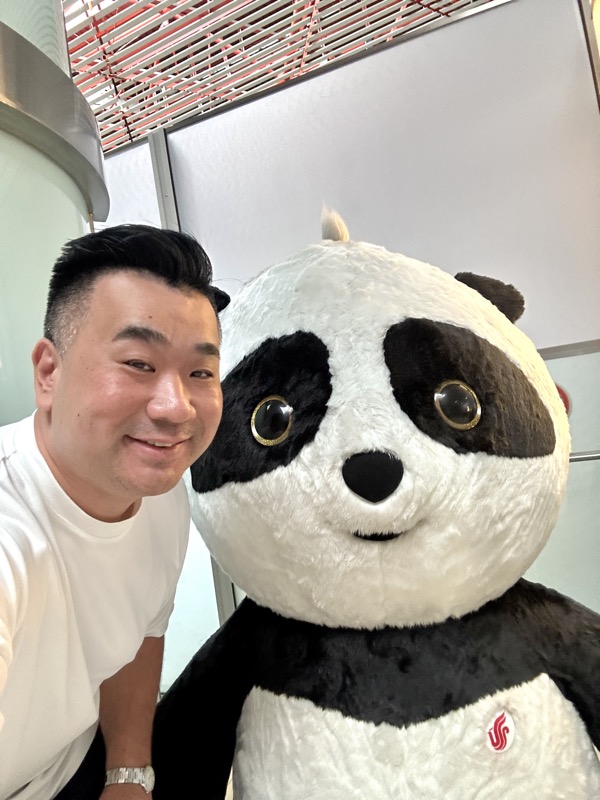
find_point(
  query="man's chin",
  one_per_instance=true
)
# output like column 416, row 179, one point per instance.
column 155, row 485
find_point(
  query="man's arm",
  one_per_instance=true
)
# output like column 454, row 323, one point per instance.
column 127, row 704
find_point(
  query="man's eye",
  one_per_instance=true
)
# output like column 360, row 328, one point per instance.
column 141, row 365
column 202, row 373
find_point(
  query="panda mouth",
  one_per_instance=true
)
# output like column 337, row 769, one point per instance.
column 376, row 537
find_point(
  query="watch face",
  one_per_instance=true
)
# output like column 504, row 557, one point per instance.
column 148, row 779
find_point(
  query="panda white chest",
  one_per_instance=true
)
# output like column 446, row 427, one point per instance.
column 290, row 749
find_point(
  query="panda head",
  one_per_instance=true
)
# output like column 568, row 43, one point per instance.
column 393, row 450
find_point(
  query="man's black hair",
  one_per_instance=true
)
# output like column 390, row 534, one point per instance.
column 174, row 257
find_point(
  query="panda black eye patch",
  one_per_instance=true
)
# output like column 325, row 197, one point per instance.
column 422, row 354
column 295, row 367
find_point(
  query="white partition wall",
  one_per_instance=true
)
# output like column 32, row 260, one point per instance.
column 130, row 182
column 475, row 147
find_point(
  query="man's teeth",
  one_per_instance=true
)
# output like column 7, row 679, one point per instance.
column 160, row 444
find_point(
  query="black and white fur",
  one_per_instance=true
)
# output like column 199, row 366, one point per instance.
column 381, row 549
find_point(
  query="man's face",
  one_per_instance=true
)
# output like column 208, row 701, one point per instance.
column 136, row 397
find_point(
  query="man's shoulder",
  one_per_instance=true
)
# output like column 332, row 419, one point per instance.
column 21, row 504
column 15, row 437
column 18, row 452
column 8, row 438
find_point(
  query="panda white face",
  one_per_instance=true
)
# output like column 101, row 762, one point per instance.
column 393, row 450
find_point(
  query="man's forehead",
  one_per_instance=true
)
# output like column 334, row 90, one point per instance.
column 120, row 275
column 130, row 300
column 118, row 283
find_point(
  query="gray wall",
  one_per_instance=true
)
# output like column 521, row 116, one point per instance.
column 475, row 147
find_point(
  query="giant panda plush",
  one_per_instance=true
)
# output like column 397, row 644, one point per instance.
column 391, row 459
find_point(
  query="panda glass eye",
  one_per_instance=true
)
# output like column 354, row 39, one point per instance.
column 458, row 405
column 271, row 420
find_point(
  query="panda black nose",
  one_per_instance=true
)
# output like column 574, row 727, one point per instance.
column 373, row 476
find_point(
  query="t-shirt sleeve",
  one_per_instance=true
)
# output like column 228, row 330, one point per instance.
column 177, row 509
column 9, row 603
column 5, row 659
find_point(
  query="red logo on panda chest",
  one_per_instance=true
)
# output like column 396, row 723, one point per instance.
column 501, row 733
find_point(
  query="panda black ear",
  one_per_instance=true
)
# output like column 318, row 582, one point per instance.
column 222, row 299
column 503, row 295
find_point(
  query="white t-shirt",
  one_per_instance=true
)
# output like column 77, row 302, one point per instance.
column 77, row 597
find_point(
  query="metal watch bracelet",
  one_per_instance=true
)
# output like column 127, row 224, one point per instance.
column 144, row 776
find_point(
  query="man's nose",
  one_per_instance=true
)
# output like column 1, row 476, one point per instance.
column 170, row 400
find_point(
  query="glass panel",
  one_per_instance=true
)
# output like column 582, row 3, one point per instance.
column 579, row 376
column 570, row 562
column 195, row 617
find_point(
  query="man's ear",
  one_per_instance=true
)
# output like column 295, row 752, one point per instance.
column 46, row 361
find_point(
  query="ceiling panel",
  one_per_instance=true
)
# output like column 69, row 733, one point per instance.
column 144, row 65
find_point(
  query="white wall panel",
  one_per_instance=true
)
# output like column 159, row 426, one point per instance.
column 475, row 147
column 130, row 182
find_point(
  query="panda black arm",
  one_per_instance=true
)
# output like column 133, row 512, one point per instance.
column 572, row 645
column 195, row 723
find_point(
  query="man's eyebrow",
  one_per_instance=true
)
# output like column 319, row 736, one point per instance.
column 152, row 336
column 142, row 333
column 207, row 349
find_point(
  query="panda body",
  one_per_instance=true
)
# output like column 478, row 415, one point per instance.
column 374, row 718
column 309, row 711
column 445, row 757
column 380, row 527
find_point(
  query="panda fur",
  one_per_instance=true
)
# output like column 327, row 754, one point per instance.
column 388, row 643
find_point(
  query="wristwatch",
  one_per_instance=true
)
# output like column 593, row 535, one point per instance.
column 142, row 775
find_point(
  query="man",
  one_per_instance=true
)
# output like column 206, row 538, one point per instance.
column 94, row 517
